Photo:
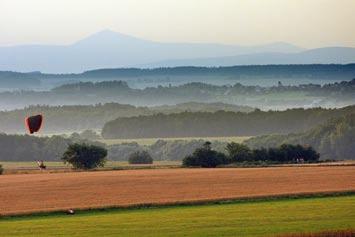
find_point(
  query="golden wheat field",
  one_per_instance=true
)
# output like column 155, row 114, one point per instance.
column 28, row 193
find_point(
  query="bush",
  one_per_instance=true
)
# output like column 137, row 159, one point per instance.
column 205, row 157
column 1, row 170
column 140, row 157
column 85, row 156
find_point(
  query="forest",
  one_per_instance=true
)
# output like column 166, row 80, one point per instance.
column 220, row 123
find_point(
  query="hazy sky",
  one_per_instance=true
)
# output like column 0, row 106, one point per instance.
column 307, row 23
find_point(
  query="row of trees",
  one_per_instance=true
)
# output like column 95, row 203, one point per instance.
column 205, row 156
column 86, row 156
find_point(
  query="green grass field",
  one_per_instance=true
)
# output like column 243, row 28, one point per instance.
column 258, row 218
column 150, row 141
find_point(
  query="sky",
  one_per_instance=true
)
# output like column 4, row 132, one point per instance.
column 305, row 23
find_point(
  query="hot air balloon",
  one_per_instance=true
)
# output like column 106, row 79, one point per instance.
column 34, row 123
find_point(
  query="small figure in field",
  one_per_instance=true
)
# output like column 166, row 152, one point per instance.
column 70, row 212
column 41, row 165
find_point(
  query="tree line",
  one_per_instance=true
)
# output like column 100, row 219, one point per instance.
column 264, row 71
column 205, row 156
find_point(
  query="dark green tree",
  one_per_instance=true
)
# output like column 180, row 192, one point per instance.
column 85, row 156
column 205, row 157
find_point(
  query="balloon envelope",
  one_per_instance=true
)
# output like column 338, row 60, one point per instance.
column 34, row 123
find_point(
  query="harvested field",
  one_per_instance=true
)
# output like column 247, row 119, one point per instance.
column 56, row 191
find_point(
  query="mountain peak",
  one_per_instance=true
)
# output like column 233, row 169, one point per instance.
column 106, row 37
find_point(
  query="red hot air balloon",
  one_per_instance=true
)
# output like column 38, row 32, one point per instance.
column 34, row 123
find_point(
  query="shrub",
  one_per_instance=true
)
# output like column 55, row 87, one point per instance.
column 85, row 156
column 1, row 170
column 140, row 157
column 205, row 157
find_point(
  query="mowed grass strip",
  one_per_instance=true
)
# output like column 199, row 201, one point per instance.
column 261, row 218
column 59, row 191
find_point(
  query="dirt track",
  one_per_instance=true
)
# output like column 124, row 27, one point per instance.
column 46, row 192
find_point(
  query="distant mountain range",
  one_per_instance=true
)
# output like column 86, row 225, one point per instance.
column 107, row 49
column 329, row 55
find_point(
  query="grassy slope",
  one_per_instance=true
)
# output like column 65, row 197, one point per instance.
column 237, row 219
